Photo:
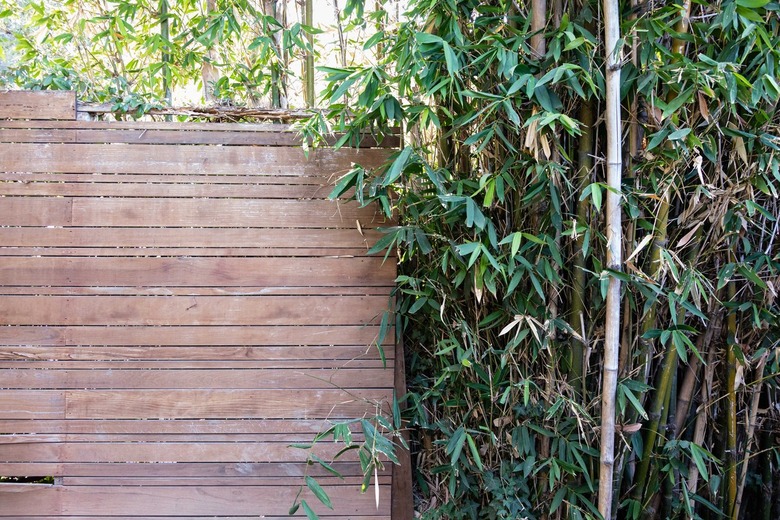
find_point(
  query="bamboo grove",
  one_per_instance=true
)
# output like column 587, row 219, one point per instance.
column 502, row 244
column 502, row 241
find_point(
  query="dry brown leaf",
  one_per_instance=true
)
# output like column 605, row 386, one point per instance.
column 688, row 236
column 705, row 111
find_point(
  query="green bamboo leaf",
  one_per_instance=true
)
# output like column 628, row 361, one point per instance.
column 752, row 4
column 320, row 493
column 474, row 452
column 699, row 461
column 310, row 514
column 397, row 167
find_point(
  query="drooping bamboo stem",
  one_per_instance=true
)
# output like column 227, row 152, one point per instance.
column 614, row 254
column 730, row 462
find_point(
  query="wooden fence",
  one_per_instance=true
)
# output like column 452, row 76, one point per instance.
column 180, row 303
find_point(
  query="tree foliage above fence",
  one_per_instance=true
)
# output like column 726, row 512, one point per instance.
column 132, row 53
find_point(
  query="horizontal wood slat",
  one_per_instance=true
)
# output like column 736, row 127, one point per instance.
column 204, row 470
column 190, row 310
column 177, row 501
column 159, row 212
column 196, row 379
column 198, row 272
column 81, row 132
column 298, row 430
column 37, row 104
column 182, row 159
column 272, row 239
column 192, row 354
column 135, row 335
column 179, row 304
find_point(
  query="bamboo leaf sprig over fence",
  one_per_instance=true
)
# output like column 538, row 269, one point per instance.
column 501, row 190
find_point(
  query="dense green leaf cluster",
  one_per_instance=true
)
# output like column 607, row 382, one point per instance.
column 130, row 53
column 499, row 192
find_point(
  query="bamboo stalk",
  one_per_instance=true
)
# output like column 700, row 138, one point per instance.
column 751, row 428
column 166, row 57
column 614, row 255
column 309, row 65
column 538, row 23
column 578, row 308
column 700, row 428
column 688, row 387
column 655, row 413
column 208, row 72
column 730, row 462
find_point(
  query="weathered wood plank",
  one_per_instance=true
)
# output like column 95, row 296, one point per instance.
column 217, row 404
column 180, row 159
column 347, row 378
column 180, row 469
column 161, row 452
column 225, row 353
column 179, row 252
column 92, row 290
column 256, row 273
column 21, row 404
column 31, row 500
column 255, row 336
column 64, row 188
column 260, row 178
column 73, row 429
column 272, row 239
column 322, row 515
column 160, row 212
column 182, row 364
column 50, row 104
column 145, row 133
column 189, row 310
column 331, row 480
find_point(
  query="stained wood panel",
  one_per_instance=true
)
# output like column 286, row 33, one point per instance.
column 179, row 304
column 37, row 104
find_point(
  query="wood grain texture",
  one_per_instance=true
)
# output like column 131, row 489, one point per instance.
column 154, row 133
column 180, row 303
column 216, row 404
column 190, row 310
column 182, row 159
column 197, row 272
column 16, row 104
column 189, row 237
column 246, row 336
column 178, row 501
column 348, row 378
column 286, row 354
column 160, row 212
column 279, row 470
